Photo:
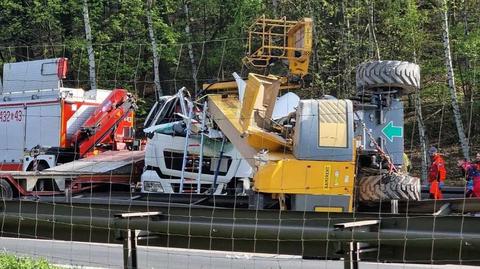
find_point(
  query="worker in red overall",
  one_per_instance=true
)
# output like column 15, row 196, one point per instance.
column 472, row 178
column 436, row 174
column 476, row 185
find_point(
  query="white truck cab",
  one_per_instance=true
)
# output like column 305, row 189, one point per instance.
column 171, row 164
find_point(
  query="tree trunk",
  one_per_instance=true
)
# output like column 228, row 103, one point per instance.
column 90, row 51
column 422, row 136
column 451, row 84
column 346, row 51
column 275, row 8
column 421, row 131
column 151, row 33
column 190, row 47
column 315, row 41
column 373, row 36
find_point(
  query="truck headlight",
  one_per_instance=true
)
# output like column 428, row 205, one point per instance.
column 152, row 186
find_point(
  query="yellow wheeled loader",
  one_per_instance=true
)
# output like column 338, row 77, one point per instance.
column 315, row 154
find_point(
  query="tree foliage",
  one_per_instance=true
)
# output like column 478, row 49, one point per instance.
column 346, row 33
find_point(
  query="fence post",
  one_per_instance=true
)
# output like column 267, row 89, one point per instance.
column 130, row 237
column 130, row 249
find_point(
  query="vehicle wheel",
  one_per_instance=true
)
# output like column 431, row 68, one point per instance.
column 6, row 192
column 394, row 186
column 404, row 75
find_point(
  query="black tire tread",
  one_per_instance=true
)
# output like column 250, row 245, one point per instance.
column 399, row 74
column 6, row 191
column 385, row 187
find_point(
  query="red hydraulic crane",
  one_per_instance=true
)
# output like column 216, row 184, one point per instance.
column 103, row 122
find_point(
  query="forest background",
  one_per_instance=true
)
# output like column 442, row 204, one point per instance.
column 204, row 40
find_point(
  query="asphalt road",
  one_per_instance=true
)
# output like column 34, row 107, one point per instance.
column 85, row 255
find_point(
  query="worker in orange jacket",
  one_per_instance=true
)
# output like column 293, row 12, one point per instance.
column 436, row 174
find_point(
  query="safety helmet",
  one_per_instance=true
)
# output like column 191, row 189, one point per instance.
column 432, row 151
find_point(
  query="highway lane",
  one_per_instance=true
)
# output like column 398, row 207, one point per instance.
column 94, row 255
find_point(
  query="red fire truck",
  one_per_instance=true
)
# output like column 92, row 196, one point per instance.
column 39, row 115
column 67, row 132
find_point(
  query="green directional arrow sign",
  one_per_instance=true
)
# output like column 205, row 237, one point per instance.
column 390, row 131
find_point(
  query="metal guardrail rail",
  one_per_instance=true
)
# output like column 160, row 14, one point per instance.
column 394, row 237
column 444, row 207
column 448, row 192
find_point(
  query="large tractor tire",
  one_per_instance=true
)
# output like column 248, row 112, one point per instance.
column 388, row 74
column 394, row 186
column 6, row 191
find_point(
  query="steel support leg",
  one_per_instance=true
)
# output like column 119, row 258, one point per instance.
column 351, row 257
column 130, row 236
column 394, row 206
column 351, row 250
column 130, row 249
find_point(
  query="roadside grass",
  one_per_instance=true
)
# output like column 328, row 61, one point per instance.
column 10, row 261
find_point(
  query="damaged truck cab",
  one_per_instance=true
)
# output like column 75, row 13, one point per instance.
column 210, row 160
